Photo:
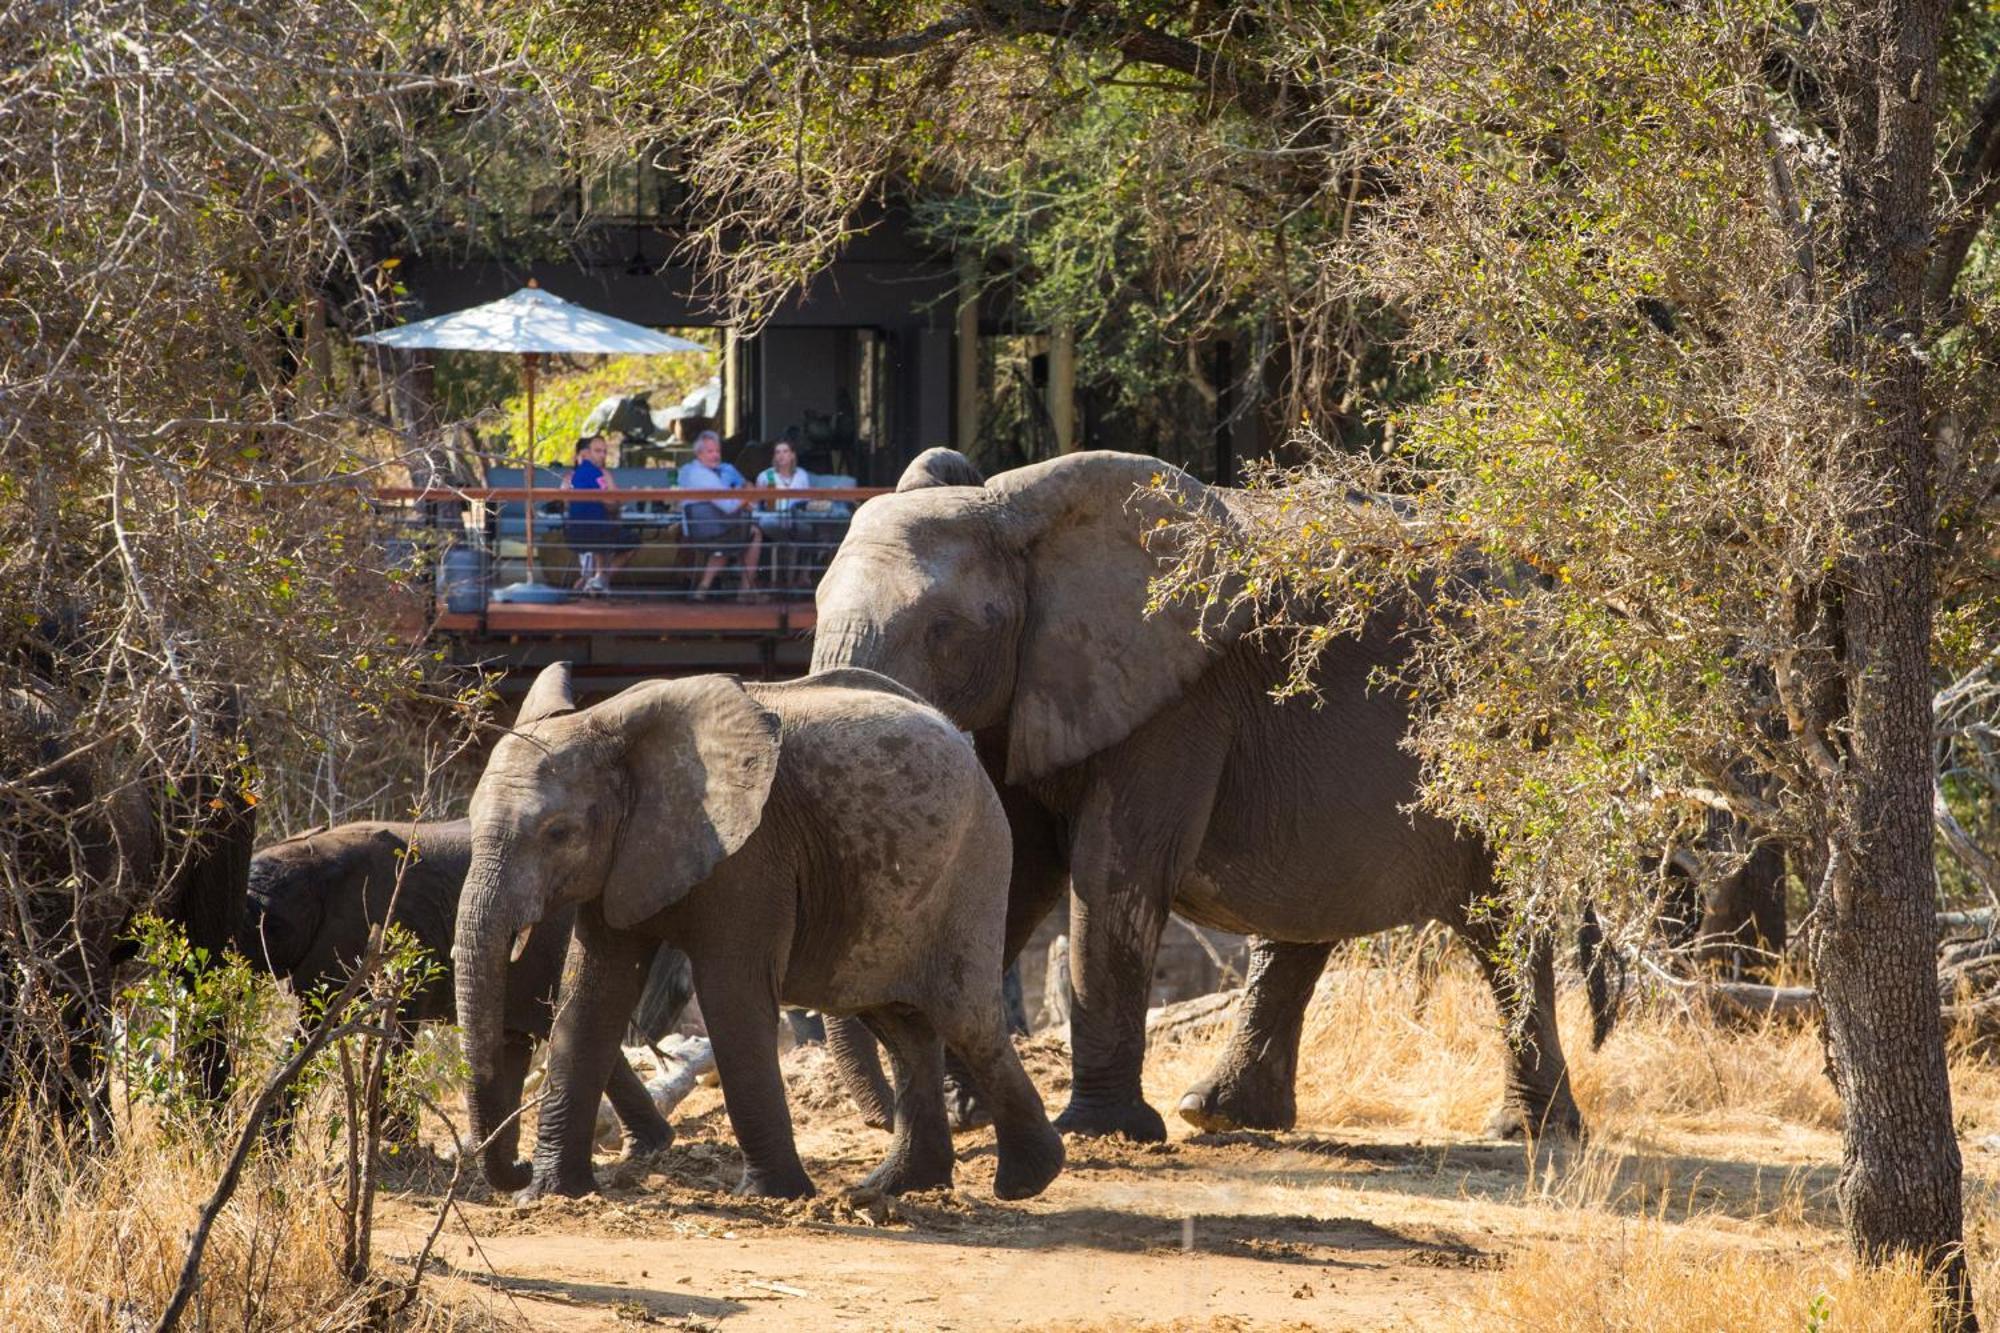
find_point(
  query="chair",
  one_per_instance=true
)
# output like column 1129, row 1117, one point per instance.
column 655, row 565
column 827, row 521
column 509, row 523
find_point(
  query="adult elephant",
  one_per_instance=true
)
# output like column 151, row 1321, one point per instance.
column 1152, row 766
column 315, row 898
column 91, row 836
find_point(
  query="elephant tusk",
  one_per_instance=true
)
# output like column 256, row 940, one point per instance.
column 520, row 943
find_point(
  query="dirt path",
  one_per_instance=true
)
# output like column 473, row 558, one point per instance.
column 1194, row 1234
column 1234, row 1232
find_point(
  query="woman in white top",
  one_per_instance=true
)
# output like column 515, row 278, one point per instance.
column 781, row 520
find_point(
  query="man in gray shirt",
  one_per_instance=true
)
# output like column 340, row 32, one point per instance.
column 718, row 526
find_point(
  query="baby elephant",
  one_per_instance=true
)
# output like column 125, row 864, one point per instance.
column 831, row 843
column 314, row 897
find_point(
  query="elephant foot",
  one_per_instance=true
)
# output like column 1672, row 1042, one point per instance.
column 964, row 1108
column 640, row 1152
column 907, row 1171
column 1134, row 1120
column 509, row 1177
column 1237, row 1100
column 1028, row 1163
column 566, row 1184
column 1555, row 1118
column 782, row 1183
column 645, row 1142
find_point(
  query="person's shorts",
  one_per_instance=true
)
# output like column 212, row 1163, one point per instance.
column 601, row 535
column 784, row 527
column 709, row 529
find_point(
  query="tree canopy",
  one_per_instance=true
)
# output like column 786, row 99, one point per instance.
column 1660, row 334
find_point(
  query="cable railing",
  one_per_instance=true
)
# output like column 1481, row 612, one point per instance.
column 664, row 547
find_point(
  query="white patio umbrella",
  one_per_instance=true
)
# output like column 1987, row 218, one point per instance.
column 528, row 324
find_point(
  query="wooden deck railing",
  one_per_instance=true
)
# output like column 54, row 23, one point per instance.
column 554, row 495
column 651, row 611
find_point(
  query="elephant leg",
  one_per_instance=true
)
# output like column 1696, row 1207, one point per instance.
column 1251, row 1085
column 1031, row 1152
column 964, row 1105
column 1113, row 942
column 209, row 897
column 1538, row 1099
column 853, row 1049
column 920, row 1154
column 1039, row 879
column 505, row 1170
column 1133, row 838
column 646, row 1130
column 742, row 1016
column 601, row 981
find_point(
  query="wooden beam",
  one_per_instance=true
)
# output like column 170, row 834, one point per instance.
column 1062, row 386
column 965, row 425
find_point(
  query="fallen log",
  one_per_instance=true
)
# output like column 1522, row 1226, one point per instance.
column 1737, row 1001
column 1171, row 1020
column 1973, row 1021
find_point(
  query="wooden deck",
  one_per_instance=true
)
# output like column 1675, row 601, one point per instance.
column 638, row 617
column 613, row 641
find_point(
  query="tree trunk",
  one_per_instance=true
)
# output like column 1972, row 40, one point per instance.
column 1875, row 938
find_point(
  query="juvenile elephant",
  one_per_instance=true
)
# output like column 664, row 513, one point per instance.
column 831, row 843
column 314, row 898
column 1149, row 768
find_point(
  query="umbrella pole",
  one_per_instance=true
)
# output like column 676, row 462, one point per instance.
column 528, row 361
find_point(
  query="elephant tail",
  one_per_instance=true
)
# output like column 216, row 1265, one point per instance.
column 1603, row 976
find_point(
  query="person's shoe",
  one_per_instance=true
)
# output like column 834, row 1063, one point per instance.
column 600, row 584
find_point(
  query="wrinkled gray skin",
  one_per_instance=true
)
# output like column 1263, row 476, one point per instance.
column 1154, row 773
column 314, row 898
column 830, row 843
column 129, row 845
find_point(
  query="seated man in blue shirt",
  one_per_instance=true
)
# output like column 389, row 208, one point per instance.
column 602, row 544
column 718, row 526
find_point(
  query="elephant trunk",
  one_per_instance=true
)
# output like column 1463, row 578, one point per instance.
column 849, row 643
column 852, row 1049
column 479, row 962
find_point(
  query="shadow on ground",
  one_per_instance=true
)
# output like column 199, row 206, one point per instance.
column 1627, row 1182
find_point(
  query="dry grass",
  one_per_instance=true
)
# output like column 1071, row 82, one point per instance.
column 1648, row 1278
column 95, row 1242
column 1413, row 1045
column 1703, row 1198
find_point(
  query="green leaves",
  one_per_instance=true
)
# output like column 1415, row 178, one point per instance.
column 182, row 1002
column 1631, row 457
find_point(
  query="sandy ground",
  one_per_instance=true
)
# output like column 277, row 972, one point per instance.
column 1334, row 1229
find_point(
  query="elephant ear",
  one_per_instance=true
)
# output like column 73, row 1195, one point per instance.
column 549, row 696
column 699, row 755
column 940, row 467
column 1093, row 665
